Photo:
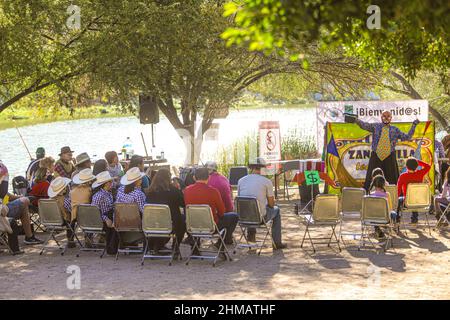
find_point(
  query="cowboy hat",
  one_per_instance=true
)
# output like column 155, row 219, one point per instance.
column 65, row 150
column 57, row 185
column 132, row 175
column 258, row 162
column 83, row 176
column 82, row 157
column 102, row 178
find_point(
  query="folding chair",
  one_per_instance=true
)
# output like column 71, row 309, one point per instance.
column 51, row 218
column 250, row 217
column 157, row 223
column 375, row 213
column 418, row 199
column 288, row 168
column 201, row 226
column 127, row 220
column 392, row 190
column 235, row 174
column 4, row 238
column 325, row 214
column 351, row 206
column 90, row 222
column 443, row 219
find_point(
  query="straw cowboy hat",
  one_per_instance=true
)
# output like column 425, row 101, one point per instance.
column 82, row 157
column 57, row 185
column 102, row 178
column 132, row 175
column 83, row 176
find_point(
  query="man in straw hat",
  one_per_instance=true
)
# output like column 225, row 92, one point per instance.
column 104, row 200
column 258, row 186
column 82, row 161
column 64, row 166
column 82, row 190
column 59, row 190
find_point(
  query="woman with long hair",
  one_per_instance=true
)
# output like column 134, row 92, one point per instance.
column 162, row 191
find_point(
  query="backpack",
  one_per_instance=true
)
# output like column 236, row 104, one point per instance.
column 187, row 176
column 20, row 185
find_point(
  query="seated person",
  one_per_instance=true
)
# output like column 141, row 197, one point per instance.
column 201, row 193
column 443, row 200
column 82, row 161
column 99, row 166
column 412, row 175
column 218, row 181
column 163, row 192
column 13, row 238
column 379, row 184
column 261, row 188
column 64, row 166
column 34, row 165
column 114, row 167
column 103, row 199
column 17, row 207
column 131, row 192
column 49, row 164
column 40, row 186
column 138, row 162
column 59, row 190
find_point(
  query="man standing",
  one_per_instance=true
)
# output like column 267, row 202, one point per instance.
column 34, row 165
column 218, row 181
column 384, row 140
column 261, row 188
column 64, row 166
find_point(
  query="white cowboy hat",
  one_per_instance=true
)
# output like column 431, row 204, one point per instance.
column 132, row 175
column 57, row 185
column 83, row 176
column 102, row 178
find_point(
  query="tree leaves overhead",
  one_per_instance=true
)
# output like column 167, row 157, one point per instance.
column 413, row 34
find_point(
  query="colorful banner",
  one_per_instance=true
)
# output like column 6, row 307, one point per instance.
column 347, row 163
column 369, row 111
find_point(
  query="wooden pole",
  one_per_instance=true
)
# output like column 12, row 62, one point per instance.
column 145, row 147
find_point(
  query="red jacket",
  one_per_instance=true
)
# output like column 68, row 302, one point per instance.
column 39, row 190
column 201, row 193
column 412, row 177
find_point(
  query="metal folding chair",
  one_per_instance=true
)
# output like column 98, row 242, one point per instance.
column 351, row 206
column 289, row 168
column 250, row 217
column 90, row 222
column 127, row 221
column 4, row 239
column 157, row 223
column 200, row 225
column 375, row 213
column 392, row 190
column 235, row 174
column 418, row 199
column 443, row 219
column 325, row 214
column 51, row 218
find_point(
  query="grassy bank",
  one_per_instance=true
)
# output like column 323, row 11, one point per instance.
column 25, row 116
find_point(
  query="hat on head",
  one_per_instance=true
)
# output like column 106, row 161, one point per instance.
column 83, row 176
column 132, row 175
column 211, row 165
column 57, row 185
column 82, row 157
column 65, row 150
column 258, row 162
column 102, row 178
column 40, row 152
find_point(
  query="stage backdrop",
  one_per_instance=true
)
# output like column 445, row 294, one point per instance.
column 369, row 111
column 353, row 145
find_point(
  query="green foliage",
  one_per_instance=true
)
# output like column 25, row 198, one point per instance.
column 413, row 34
column 297, row 146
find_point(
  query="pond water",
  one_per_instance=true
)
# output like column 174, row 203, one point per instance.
column 97, row 136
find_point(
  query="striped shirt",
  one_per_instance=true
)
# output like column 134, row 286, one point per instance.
column 68, row 203
column 135, row 196
column 104, row 201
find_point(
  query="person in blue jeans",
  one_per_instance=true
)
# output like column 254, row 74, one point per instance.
column 257, row 186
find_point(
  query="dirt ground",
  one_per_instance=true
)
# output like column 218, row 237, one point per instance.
column 417, row 268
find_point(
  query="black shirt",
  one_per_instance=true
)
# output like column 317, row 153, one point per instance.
column 172, row 197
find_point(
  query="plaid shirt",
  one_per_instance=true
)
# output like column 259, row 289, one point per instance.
column 104, row 201
column 135, row 196
column 68, row 203
column 394, row 133
column 59, row 169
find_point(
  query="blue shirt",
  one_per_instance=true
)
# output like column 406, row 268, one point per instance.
column 394, row 133
column 135, row 196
